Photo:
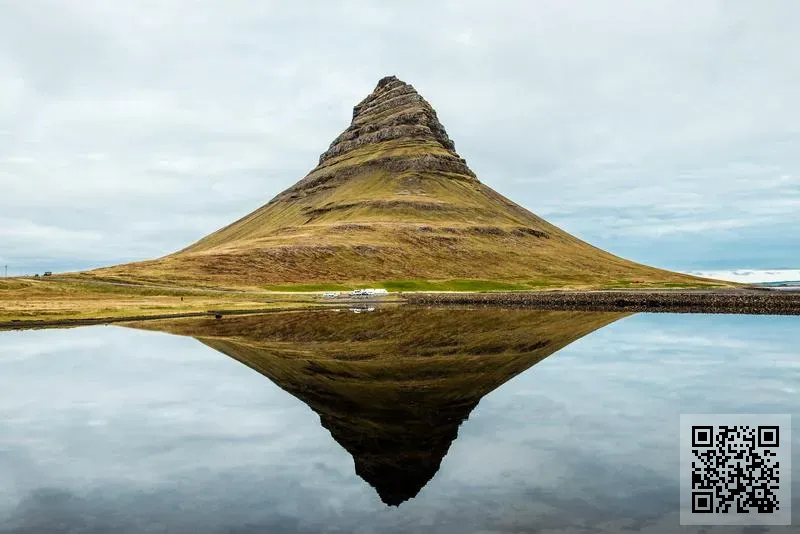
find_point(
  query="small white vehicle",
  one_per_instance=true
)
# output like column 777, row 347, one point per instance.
column 330, row 295
column 368, row 292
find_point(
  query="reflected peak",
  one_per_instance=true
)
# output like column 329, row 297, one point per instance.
column 392, row 387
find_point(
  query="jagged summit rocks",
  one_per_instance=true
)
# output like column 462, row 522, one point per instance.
column 391, row 199
column 394, row 110
column 393, row 116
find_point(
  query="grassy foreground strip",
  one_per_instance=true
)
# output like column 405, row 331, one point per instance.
column 73, row 298
column 58, row 299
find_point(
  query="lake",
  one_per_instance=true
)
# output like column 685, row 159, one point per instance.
column 391, row 420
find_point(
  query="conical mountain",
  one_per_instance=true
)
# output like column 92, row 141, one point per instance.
column 391, row 199
column 392, row 386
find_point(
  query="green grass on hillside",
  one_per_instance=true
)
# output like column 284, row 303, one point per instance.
column 418, row 285
column 455, row 285
column 472, row 285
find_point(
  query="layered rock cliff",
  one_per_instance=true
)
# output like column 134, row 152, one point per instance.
column 394, row 110
column 392, row 117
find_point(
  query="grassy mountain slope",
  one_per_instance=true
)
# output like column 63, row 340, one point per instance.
column 392, row 200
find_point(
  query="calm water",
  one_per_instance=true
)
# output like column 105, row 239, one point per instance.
column 326, row 417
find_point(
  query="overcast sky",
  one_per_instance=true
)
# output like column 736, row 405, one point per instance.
column 666, row 132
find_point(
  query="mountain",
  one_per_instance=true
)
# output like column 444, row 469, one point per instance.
column 392, row 386
column 391, row 199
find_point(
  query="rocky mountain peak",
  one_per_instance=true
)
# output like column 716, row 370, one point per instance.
column 393, row 111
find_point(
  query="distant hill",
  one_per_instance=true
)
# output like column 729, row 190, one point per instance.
column 392, row 200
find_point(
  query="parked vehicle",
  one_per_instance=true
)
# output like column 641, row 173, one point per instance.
column 368, row 292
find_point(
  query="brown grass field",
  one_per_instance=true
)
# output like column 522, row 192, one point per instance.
column 64, row 299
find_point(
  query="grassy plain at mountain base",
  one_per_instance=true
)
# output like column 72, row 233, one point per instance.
column 60, row 299
column 69, row 298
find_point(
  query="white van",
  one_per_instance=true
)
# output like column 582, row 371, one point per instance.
column 370, row 292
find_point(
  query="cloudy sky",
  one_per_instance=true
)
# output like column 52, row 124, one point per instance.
column 666, row 132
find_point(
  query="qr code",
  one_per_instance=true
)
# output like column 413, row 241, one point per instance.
column 735, row 469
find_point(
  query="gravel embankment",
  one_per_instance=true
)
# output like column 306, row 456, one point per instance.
column 748, row 301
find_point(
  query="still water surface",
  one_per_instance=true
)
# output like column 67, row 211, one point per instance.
column 397, row 420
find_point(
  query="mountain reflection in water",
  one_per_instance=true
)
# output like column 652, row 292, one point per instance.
column 392, row 386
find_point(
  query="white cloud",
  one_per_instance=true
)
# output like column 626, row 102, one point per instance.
column 21, row 231
column 657, row 121
column 752, row 276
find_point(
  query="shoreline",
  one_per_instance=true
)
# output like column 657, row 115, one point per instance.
column 731, row 301
column 33, row 324
column 742, row 301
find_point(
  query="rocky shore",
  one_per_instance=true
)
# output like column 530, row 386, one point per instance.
column 743, row 301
